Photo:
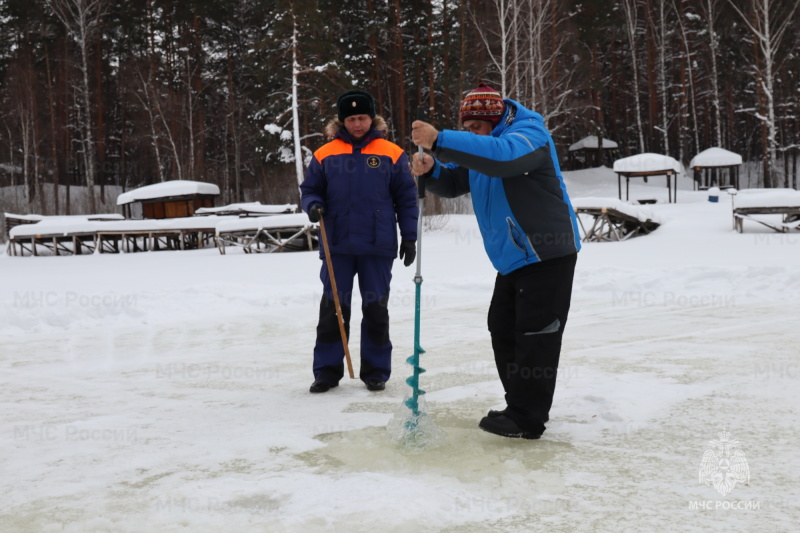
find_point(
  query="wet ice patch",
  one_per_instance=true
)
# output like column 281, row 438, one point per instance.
column 415, row 431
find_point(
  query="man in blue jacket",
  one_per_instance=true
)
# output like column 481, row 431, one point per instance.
column 507, row 161
column 361, row 184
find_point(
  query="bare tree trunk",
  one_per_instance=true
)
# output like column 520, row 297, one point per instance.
column 101, row 137
column 769, row 24
column 298, row 154
column 53, row 131
column 504, row 36
column 145, row 98
column 631, row 9
column 662, row 71
column 398, row 67
column 711, row 16
column 82, row 20
column 692, row 95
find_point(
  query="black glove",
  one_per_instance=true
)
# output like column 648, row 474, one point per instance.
column 315, row 212
column 408, row 252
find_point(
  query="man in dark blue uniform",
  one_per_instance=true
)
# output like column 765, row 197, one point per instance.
column 361, row 184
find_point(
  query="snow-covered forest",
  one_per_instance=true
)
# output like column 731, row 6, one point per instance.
column 97, row 92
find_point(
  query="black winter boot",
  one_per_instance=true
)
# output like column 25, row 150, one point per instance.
column 505, row 427
column 321, row 386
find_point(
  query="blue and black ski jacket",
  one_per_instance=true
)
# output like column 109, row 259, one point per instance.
column 518, row 194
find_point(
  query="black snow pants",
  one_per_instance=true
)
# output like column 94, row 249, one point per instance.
column 527, row 317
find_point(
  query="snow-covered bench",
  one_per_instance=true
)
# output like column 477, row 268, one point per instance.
column 68, row 234
column 613, row 219
column 80, row 234
column 277, row 233
column 248, row 209
column 182, row 233
column 754, row 204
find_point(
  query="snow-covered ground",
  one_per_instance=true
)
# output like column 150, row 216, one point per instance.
column 168, row 391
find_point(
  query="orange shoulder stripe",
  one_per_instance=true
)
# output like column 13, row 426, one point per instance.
column 335, row 147
column 383, row 147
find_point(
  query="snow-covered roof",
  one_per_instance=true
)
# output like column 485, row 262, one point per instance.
column 249, row 207
column 647, row 162
column 299, row 220
column 767, row 198
column 167, row 189
column 641, row 212
column 715, row 157
column 591, row 143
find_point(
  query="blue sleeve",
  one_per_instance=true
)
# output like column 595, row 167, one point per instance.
column 314, row 187
column 447, row 180
column 508, row 155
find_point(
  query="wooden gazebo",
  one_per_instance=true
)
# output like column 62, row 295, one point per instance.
column 646, row 165
column 169, row 199
column 716, row 167
column 592, row 152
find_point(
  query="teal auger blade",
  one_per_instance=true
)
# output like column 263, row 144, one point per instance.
column 417, row 370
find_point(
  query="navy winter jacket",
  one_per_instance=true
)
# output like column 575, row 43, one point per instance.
column 366, row 189
column 518, row 193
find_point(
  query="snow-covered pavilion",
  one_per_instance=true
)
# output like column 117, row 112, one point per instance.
column 170, row 199
column 646, row 165
column 716, row 167
column 592, row 151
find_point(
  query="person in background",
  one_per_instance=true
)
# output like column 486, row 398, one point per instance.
column 506, row 160
column 360, row 184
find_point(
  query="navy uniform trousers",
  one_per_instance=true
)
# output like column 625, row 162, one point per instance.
column 374, row 275
column 526, row 320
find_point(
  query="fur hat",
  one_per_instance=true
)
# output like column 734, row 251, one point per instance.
column 355, row 102
column 483, row 103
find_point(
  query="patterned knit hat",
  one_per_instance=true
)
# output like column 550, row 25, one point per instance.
column 355, row 102
column 483, row 103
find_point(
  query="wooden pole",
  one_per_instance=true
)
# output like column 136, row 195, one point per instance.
column 336, row 297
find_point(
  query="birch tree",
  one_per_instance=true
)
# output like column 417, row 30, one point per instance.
column 82, row 21
column 503, row 34
column 769, row 23
column 689, row 94
column 550, row 91
column 660, row 31
column 710, row 11
column 631, row 10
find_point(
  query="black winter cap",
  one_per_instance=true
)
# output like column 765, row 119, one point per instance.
column 355, row 102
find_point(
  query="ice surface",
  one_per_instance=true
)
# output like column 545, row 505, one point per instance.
column 168, row 391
